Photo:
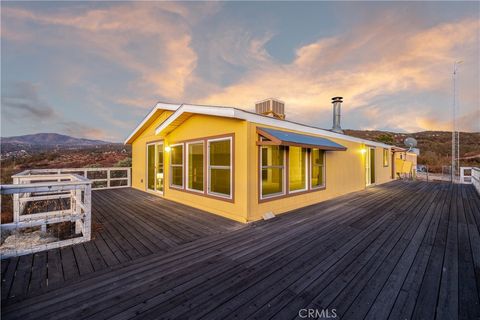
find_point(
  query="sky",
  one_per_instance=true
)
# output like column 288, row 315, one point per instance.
column 95, row 69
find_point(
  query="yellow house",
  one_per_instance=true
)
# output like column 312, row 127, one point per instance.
column 244, row 165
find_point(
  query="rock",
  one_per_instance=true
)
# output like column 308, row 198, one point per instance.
column 26, row 240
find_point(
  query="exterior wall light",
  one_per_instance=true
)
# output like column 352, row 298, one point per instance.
column 363, row 151
column 167, row 149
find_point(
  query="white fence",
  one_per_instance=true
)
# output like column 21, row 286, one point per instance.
column 476, row 179
column 470, row 175
column 101, row 178
column 51, row 208
column 44, row 206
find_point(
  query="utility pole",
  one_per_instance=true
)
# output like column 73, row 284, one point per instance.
column 455, row 134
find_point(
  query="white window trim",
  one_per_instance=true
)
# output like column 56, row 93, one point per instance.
column 307, row 173
column 369, row 152
column 157, row 145
column 187, row 165
column 174, row 186
column 284, row 167
column 209, row 167
column 387, row 152
column 146, row 165
column 323, row 170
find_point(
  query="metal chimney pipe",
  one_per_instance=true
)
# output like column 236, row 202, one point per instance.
column 337, row 108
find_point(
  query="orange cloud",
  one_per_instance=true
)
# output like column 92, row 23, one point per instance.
column 359, row 67
column 164, row 66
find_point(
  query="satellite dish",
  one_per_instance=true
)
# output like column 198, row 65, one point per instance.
column 410, row 143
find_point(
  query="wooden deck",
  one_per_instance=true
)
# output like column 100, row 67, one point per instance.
column 403, row 250
column 127, row 225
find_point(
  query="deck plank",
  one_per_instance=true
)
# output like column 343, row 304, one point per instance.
column 403, row 250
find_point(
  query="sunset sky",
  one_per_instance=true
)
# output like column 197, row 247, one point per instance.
column 95, row 69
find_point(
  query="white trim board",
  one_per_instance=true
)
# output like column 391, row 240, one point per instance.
column 158, row 106
column 230, row 112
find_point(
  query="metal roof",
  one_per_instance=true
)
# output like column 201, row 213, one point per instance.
column 297, row 139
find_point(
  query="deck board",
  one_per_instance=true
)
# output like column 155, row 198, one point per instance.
column 406, row 250
column 128, row 225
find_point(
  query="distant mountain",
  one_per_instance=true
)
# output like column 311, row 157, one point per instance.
column 40, row 142
column 51, row 139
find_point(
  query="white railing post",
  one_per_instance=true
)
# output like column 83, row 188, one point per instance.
column 16, row 203
column 108, row 178
column 129, row 177
column 87, row 220
column 476, row 178
column 76, row 204
column 465, row 178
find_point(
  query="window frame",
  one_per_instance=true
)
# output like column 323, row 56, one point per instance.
column 187, row 144
column 171, row 165
column 284, row 168
column 307, row 173
column 230, row 168
column 323, row 185
column 386, row 156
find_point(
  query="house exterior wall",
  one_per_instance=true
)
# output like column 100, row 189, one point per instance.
column 344, row 170
column 344, row 173
column 139, row 151
column 195, row 128
column 384, row 173
column 201, row 126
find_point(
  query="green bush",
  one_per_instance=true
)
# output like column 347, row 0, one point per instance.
column 127, row 162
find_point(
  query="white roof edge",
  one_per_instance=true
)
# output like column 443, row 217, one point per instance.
column 190, row 108
column 158, row 106
column 305, row 128
column 231, row 112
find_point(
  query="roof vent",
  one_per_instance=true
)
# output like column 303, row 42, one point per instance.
column 271, row 107
column 337, row 108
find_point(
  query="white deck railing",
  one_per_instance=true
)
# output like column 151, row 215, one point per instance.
column 42, row 204
column 102, row 178
column 476, row 178
column 466, row 175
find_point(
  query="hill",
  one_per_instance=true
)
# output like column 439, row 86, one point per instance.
column 34, row 143
column 435, row 146
column 50, row 139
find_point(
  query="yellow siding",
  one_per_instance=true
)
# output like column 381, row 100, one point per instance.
column 345, row 170
column 139, row 151
column 200, row 126
column 382, row 174
column 345, row 173
column 197, row 126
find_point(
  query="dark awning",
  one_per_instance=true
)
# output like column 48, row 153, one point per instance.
column 284, row 138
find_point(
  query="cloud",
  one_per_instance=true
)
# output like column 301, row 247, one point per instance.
column 150, row 40
column 382, row 58
column 76, row 129
column 22, row 106
column 20, row 100
column 122, row 57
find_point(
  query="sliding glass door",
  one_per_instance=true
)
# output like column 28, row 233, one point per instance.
column 155, row 167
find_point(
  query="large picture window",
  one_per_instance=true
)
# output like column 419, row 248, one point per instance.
column 176, row 166
column 220, row 167
column 297, row 169
column 317, row 168
column 272, row 170
column 195, row 166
